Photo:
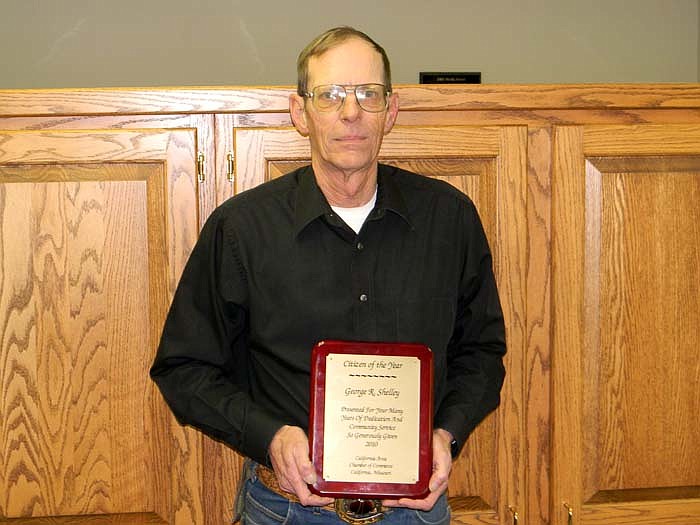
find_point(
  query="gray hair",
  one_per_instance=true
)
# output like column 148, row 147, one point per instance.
column 327, row 41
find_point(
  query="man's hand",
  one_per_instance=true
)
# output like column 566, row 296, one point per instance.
column 442, row 464
column 289, row 453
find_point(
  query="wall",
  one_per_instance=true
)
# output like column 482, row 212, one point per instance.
column 101, row 43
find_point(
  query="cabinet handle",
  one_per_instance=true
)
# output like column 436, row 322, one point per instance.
column 229, row 166
column 570, row 510
column 514, row 512
column 200, row 167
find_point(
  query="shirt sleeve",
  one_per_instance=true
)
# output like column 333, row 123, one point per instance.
column 475, row 352
column 200, row 366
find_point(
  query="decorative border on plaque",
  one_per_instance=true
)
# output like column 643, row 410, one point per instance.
column 370, row 419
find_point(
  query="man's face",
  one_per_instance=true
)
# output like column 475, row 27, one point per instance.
column 346, row 140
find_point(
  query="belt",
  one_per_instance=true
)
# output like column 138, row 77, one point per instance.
column 353, row 511
column 268, row 478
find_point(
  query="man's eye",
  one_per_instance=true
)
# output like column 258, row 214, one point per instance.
column 328, row 95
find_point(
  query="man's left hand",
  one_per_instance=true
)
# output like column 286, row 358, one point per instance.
column 289, row 455
column 442, row 464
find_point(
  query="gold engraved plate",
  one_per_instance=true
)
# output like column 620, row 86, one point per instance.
column 371, row 418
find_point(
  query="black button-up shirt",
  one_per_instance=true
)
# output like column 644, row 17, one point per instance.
column 275, row 270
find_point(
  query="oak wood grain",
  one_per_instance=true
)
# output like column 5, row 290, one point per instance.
column 135, row 518
column 275, row 99
column 537, row 355
column 489, row 165
column 201, row 124
column 77, row 234
column 669, row 512
column 568, row 227
column 596, row 157
column 626, row 287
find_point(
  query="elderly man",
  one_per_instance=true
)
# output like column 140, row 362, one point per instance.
column 345, row 249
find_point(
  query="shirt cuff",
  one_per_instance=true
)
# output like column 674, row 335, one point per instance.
column 260, row 429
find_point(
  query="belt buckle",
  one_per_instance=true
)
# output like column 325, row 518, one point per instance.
column 359, row 511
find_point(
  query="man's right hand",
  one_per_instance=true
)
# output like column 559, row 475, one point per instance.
column 289, row 453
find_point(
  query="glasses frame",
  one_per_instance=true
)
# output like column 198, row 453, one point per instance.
column 344, row 90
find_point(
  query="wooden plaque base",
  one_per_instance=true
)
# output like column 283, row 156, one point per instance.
column 370, row 420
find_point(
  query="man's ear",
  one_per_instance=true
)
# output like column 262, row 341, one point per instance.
column 296, row 111
column 391, row 112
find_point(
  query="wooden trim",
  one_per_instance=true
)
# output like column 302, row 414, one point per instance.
column 137, row 518
column 108, row 101
column 686, row 512
column 538, row 359
column 568, row 203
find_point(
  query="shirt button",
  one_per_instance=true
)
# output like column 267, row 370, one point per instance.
column 363, row 298
column 360, row 246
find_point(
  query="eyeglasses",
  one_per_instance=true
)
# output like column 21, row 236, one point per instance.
column 371, row 97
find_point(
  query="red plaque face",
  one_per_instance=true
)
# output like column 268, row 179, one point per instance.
column 371, row 419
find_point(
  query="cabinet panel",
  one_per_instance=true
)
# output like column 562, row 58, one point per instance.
column 95, row 228
column 627, row 322
column 604, row 234
column 488, row 164
column 201, row 125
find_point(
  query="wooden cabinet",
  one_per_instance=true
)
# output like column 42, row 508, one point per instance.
column 95, row 230
column 627, row 327
column 588, row 195
column 487, row 163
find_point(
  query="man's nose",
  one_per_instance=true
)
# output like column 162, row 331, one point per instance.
column 351, row 107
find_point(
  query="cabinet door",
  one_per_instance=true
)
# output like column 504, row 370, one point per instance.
column 626, row 315
column 95, row 227
column 488, row 164
column 201, row 125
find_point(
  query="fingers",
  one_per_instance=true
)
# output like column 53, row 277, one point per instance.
column 313, row 500
column 442, row 464
column 289, row 454
column 289, row 451
column 419, row 504
column 442, row 459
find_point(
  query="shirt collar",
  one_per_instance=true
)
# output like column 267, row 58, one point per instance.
column 312, row 204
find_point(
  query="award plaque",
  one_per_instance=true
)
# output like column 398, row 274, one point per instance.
column 371, row 419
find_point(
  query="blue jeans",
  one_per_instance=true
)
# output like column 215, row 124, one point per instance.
column 258, row 505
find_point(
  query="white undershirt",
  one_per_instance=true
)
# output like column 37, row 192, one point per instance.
column 355, row 217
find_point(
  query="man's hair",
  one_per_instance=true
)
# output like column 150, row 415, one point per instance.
column 327, row 41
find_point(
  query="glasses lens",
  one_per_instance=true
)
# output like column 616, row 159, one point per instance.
column 327, row 98
column 371, row 97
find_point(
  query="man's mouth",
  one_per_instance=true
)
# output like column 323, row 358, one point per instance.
column 350, row 138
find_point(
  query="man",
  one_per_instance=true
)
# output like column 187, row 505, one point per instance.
column 345, row 249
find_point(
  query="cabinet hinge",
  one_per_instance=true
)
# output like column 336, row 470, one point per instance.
column 200, row 167
column 229, row 166
column 514, row 512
